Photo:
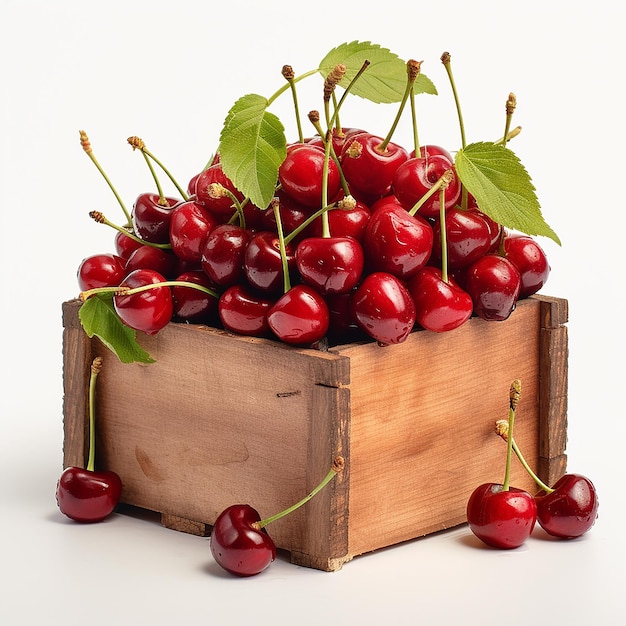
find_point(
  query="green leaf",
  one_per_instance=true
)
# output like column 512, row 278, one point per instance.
column 384, row 81
column 98, row 317
column 252, row 147
column 494, row 175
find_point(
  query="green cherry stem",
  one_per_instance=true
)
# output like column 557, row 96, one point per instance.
column 130, row 291
column 96, row 367
column 282, row 247
column 337, row 466
column 443, row 230
column 502, row 429
column 444, row 179
column 99, row 217
column 86, row 144
column 514, row 396
column 138, row 144
column 514, row 132
column 289, row 76
column 511, row 103
column 445, row 59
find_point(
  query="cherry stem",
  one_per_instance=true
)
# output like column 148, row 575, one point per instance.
column 86, row 144
column 514, row 396
column 96, row 366
column 286, row 86
column 443, row 231
column 416, row 142
column 514, row 132
column 338, row 465
column 288, row 75
column 282, row 247
column 444, row 179
column 413, row 70
column 130, row 291
column 511, row 103
column 335, row 115
column 445, row 59
column 162, row 200
column 99, row 217
column 502, row 429
column 347, row 204
column 138, row 144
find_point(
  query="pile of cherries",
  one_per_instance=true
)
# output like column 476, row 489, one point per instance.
column 356, row 247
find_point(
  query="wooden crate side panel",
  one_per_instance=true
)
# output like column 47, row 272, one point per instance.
column 423, row 414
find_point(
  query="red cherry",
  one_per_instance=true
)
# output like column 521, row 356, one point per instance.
column 416, row 177
column 193, row 305
column 244, row 311
column 148, row 311
column 430, row 150
column 397, row 242
column 493, row 282
column 330, row 264
column 151, row 217
column 300, row 316
column 125, row 245
column 190, row 225
column 383, row 308
column 150, row 258
column 440, row 306
column 301, row 175
column 222, row 207
column 570, row 509
column 237, row 545
column 344, row 222
column 530, row 261
column 501, row 518
column 223, row 254
column 101, row 270
column 263, row 264
column 369, row 169
column 88, row 496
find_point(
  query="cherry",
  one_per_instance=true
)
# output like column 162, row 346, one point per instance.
column 414, row 179
column 292, row 214
column 430, row 150
column 239, row 542
column 383, row 308
column 301, row 175
column 263, row 264
column 369, row 166
column 493, row 282
column 300, row 316
column 530, row 261
column 500, row 515
column 440, row 305
column 86, row 494
column 244, row 311
column 344, row 222
column 125, row 245
column 468, row 237
column 330, row 264
column 397, row 242
column 343, row 326
column 192, row 305
column 190, row 225
column 149, row 310
column 570, row 508
column 222, row 206
column 150, row 258
column 101, row 270
column 222, row 255
column 151, row 216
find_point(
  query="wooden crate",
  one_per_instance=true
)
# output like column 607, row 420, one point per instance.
column 221, row 419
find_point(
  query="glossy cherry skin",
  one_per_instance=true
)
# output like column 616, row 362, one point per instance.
column 368, row 169
column 237, row 546
column 223, row 254
column 101, row 270
column 468, row 237
column 501, row 519
column 300, row 316
column 415, row 178
column 440, row 306
column 148, row 311
column 301, row 175
column 263, row 264
column 383, row 308
column 530, row 260
column 190, row 225
column 330, row 264
column 493, row 282
column 88, row 496
column 125, row 245
column 571, row 509
column 344, row 222
column 397, row 242
column 244, row 311
column 430, row 150
column 150, row 258
column 222, row 207
column 192, row 305
column 151, row 218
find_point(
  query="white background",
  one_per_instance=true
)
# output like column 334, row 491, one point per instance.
column 168, row 72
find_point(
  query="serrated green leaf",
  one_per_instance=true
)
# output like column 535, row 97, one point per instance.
column 98, row 318
column 252, row 147
column 384, row 81
column 502, row 187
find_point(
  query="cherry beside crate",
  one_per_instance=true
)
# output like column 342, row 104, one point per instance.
column 220, row 419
